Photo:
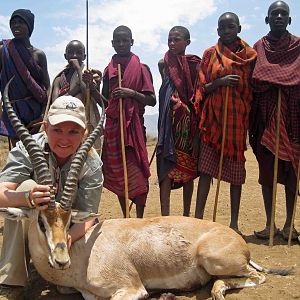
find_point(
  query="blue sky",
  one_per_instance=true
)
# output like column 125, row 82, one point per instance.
column 58, row 22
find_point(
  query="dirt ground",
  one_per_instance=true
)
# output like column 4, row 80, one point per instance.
column 252, row 217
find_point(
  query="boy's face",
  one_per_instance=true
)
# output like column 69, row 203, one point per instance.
column 75, row 50
column 122, row 43
column 177, row 42
column 228, row 29
column 278, row 17
column 19, row 28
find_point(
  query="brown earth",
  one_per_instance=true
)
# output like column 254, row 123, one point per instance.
column 252, row 217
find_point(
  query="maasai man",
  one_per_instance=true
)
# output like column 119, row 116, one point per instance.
column 228, row 64
column 137, row 91
column 70, row 81
column 28, row 65
column 176, row 162
column 277, row 67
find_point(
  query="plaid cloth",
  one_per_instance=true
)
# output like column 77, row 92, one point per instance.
column 219, row 61
column 277, row 66
column 278, row 61
column 233, row 171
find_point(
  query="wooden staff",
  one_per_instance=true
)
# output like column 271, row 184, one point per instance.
column 123, row 148
column 222, row 154
column 295, row 204
column 153, row 154
column 87, row 91
column 275, row 169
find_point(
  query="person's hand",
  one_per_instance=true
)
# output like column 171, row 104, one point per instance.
column 230, row 80
column 122, row 93
column 75, row 64
column 40, row 196
column 87, row 77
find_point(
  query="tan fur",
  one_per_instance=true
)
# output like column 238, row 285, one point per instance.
column 122, row 259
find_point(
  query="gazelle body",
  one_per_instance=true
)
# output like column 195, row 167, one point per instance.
column 126, row 258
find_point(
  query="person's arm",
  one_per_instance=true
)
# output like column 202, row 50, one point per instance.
column 37, row 195
column 42, row 62
column 78, row 230
column 1, row 51
column 88, row 79
column 228, row 80
column 161, row 68
column 145, row 98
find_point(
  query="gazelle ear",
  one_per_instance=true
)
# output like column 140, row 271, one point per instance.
column 13, row 213
column 82, row 216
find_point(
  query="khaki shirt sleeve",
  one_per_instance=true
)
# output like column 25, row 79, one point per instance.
column 18, row 167
column 90, row 185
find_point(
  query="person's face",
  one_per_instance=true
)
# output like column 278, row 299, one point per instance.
column 75, row 50
column 122, row 43
column 19, row 28
column 177, row 42
column 228, row 29
column 278, row 17
column 64, row 139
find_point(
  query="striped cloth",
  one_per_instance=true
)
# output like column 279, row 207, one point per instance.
column 277, row 66
column 177, row 114
column 219, row 61
column 135, row 76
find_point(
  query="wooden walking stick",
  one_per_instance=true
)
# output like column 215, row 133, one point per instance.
column 275, row 169
column 295, row 205
column 222, row 154
column 123, row 148
column 87, row 91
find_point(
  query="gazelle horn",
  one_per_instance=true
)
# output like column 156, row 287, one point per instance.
column 36, row 155
column 77, row 163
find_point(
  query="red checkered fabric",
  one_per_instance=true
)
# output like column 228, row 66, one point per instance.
column 232, row 171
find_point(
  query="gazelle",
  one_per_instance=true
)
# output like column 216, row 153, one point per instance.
column 126, row 258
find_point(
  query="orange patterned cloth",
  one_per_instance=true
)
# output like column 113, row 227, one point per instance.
column 219, row 61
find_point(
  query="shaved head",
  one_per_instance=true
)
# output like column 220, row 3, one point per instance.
column 231, row 15
column 278, row 4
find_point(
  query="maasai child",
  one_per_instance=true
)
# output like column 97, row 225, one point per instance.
column 227, row 64
column 176, row 162
column 137, row 91
column 277, row 67
column 70, row 81
column 28, row 65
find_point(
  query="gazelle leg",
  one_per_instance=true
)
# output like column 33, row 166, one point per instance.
column 130, row 294
column 250, row 279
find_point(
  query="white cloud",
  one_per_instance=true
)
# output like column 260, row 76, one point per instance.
column 4, row 26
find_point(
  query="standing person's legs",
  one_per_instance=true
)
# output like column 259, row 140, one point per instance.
column 267, row 197
column 289, row 204
column 235, row 199
column 123, row 205
column 202, row 193
column 140, row 202
column 164, row 193
column 188, row 189
column 14, row 252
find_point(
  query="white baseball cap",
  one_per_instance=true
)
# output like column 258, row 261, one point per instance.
column 67, row 108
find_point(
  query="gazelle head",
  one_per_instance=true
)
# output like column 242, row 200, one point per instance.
column 53, row 223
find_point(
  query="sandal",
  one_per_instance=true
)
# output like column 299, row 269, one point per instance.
column 286, row 231
column 265, row 233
